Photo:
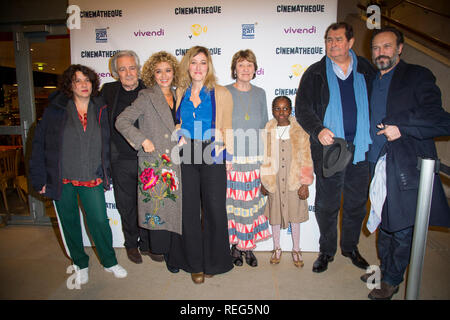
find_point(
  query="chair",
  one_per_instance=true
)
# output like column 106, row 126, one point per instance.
column 20, row 182
column 9, row 160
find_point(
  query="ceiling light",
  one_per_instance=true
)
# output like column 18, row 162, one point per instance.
column 40, row 65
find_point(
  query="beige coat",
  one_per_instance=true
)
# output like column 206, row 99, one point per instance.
column 224, row 113
column 156, row 124
column 287, row 165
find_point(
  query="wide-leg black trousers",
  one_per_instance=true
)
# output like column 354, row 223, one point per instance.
column 203, row 246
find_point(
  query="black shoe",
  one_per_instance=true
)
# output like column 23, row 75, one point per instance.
column 170, row 268
column 236, row 256
column 250, row 258
column 357, row 259
column 321, row 264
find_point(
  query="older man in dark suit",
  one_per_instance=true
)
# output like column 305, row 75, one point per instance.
column 332, row 101
column 406, row 114
column 119, row 95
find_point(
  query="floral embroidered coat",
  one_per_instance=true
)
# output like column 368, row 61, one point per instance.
column 159, row 180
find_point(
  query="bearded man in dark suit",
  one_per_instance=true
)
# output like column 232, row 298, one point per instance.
column 406, row 114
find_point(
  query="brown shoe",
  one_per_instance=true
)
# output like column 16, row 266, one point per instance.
column 209, row 275
column 385, row 292
column 134, row 255
column 198, row 278
column 274, row 259
column 299, row 261
column 154, row 257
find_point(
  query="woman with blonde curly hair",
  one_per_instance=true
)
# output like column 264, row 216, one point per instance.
column 159, row 181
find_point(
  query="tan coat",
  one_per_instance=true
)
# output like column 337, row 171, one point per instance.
column 224, row 113
column 287, row 165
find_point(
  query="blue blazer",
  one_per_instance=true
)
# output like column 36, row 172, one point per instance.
column 45, row 162
column 414, row 105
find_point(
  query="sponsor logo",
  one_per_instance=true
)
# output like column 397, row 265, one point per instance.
column 297, row 70
column 285, row 92
column 101, row 35
column 110, row 205
column 299, row 50
column 156, row 33
column 199, row 10
column 98, row 53
column 101, row 13
column 248, row 31
column 291, row 30
column 260, row 72
column 197, row 30
column 301, row 8
column 212, row 51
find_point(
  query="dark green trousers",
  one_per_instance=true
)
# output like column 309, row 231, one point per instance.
column 93, row 201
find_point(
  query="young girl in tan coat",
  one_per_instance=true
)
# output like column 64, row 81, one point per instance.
column 286, row 173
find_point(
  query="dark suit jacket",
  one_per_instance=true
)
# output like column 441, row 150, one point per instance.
column 312, row 100
column 414, row 105
column 110, row 93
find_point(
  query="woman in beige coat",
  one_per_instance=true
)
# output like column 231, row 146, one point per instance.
column 159, row 180
column 285, row 176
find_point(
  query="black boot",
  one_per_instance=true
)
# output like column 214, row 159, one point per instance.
column 236, row 256
column 170, row 268
column 250, row 258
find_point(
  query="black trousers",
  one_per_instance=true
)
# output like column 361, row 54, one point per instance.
column 125, row 175
column 353, row 184
column 203, row 246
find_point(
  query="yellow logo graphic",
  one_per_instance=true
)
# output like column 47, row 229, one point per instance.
column 198, row 29
column 297, row 70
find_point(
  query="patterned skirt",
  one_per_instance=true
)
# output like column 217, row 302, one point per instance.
column 247, row 223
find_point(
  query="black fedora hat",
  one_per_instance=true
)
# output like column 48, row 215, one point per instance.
column 336, row 156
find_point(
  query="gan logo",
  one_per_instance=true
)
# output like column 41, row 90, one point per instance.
column 197, row 30
column 297, row 70
column 248, row 31
column 101, row 35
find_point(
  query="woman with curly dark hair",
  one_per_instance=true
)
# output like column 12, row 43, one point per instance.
column 70, row 158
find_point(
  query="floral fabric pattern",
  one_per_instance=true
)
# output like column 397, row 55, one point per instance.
column 157, row 182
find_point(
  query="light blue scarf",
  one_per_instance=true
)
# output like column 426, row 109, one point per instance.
column 333, row 116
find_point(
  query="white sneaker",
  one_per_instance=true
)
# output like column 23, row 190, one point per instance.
column 82, row 275
column 118, row 271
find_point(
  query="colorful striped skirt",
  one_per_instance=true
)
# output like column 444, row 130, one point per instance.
column 247, row 223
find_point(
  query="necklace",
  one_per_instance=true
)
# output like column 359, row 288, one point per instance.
column 282, row 134
column 246, row 117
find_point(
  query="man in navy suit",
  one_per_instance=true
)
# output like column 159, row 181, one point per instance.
column 406, row 114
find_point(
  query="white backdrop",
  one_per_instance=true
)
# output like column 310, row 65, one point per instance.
column 287, row 36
